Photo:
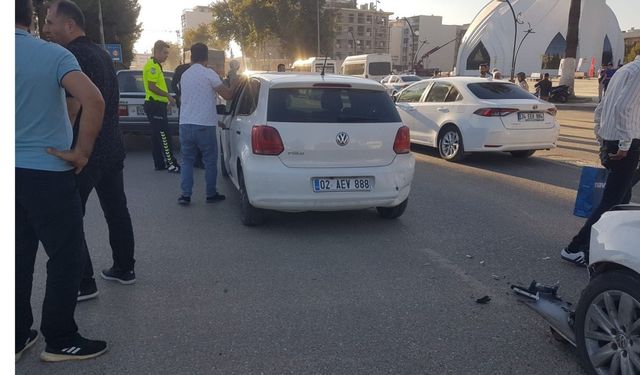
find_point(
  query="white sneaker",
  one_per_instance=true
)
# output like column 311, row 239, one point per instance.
column 578, row 258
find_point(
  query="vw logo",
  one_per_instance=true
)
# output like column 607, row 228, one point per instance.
column 342, row 139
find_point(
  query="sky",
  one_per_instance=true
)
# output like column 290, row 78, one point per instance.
column 163, row 25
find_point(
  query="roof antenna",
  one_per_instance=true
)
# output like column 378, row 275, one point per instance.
column 324, row 65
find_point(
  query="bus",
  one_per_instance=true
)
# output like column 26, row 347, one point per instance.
column 374, row 66
column 314, row 64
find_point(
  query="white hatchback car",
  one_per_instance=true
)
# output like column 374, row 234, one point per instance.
column 464, row 114
column 306, row 142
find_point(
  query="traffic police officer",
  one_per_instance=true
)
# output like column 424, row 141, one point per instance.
column 155, row 105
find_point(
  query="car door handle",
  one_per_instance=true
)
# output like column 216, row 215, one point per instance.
column 406, row 107
column 442, row 109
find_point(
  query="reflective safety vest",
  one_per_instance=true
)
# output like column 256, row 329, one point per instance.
column 152, row 72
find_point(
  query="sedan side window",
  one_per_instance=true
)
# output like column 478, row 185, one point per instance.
column 249, row 99
column 454, row 95
column 438, row 92
column 413, row 93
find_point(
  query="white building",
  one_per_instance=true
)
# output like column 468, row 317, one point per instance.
column 430, row 33
column 490, row 36
column 193, row 18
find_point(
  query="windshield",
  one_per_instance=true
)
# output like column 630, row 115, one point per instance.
column 330, row 105
column 498, row 90
column 379, row 68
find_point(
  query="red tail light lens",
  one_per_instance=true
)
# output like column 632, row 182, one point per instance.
column 495, row 112
column 402, row 143
column 123, row 110
column 265, row 140
column 552, row 111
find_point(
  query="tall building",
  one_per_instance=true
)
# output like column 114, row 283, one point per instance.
column 431, row 48
column 358, row 30
column 193, row 18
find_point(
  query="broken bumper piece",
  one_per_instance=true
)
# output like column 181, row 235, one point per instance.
column 544, row 300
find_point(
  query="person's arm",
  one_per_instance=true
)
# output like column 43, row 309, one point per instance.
column 156, row 90
column 625, row 103
column 89, row 97
column 73, row 108
column 223, row 90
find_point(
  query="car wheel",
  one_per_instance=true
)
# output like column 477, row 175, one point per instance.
column 450, row 144
column 223, row 168
column 607, row 324
column 393, row 212
column 250, row 215
column 523, row 154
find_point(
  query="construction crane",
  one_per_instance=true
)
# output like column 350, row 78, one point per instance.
column 431, row 52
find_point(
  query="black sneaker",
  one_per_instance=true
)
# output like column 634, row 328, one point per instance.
column 174, row 169
column 33, row 337
column 184, row 200
column 79, row 348
column 578, row 258
column 88, row 290
column 216, row 198
column 116, row 274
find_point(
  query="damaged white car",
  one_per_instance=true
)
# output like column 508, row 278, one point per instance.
column 605, row 324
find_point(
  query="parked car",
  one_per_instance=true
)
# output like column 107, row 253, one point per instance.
column 397, row 82
column 131, row 109
column 605, row 325
column 463, row 114
column 302, row 142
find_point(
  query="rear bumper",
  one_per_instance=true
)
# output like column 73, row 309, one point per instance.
column 272, row 185
column 515, row 140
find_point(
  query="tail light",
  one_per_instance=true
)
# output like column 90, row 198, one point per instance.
column 495, row 112
column 552, row 111
column 402, row 143
column 265, row 140
column 123, row 110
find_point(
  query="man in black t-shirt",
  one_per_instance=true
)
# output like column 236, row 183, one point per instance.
column 544, row 87
column 104, row 172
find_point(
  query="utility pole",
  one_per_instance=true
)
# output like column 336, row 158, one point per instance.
column 318, row 24
column 100, row 21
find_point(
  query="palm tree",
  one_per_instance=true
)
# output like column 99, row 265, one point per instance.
column 569, row 67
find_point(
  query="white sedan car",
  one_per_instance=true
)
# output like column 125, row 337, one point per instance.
column 464, row 114
column 306, row 142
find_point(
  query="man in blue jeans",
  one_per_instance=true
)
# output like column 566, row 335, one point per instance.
column 47, row 204
column 198, row 122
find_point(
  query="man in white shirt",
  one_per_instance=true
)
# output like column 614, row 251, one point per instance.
column 617, row 129
column 198, row 122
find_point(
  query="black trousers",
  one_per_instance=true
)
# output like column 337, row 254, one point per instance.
column 109, row 185
column 623, row 175
column 48, row 210
column 160, row 138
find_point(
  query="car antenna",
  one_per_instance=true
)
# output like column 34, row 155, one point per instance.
column 324, row 65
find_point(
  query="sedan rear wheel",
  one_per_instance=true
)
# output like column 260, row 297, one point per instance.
column 523, row 153
column 450, row 144
column 608, row 324
column 249, row 215
column 393, row 212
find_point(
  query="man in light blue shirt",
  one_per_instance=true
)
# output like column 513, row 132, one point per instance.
column 47, row 204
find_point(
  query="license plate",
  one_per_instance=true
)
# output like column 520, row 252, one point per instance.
column 333, row 184
column 140, row 110
column 530, row 116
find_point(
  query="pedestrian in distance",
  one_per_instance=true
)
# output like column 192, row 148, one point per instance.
column 484, row 71
column 543, row 87
column 65, row 25
column 601, row 75
column 232, row 75
column 617, row 129
column 497, row 75
column 281, row 68
column 175, row 85
column 198, row 122
column 608, row 74
column 47, row 204
column 522, row 81
column 157, row 97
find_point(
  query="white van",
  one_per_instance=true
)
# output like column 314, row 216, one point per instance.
column 314, row 64
column 374, row 66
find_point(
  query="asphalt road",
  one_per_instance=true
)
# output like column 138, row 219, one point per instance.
column 340, row 293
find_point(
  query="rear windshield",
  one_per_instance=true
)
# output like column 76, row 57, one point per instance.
column 411, row 79
column 498, row 90
column 330, row 105
column 129, row 81
column 379, row 68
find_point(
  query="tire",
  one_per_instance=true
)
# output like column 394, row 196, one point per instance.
column 610, row 289
column 523, row 154
column 450, row 146
column 223, row 168
column 249, row 215
column 393, row 212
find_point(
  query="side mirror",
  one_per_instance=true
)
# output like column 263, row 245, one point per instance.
column 394, row 97
column 221, row 109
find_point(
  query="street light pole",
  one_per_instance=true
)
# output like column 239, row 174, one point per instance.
column 355, row 47
column 318, row 24
column 413, row 40
column 515, row 37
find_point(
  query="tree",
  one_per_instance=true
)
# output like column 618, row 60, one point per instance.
column 299, row 33
column 633, row 52
column 203, row 34
column 175, row 57
column 569, row 66
column 119, row 17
